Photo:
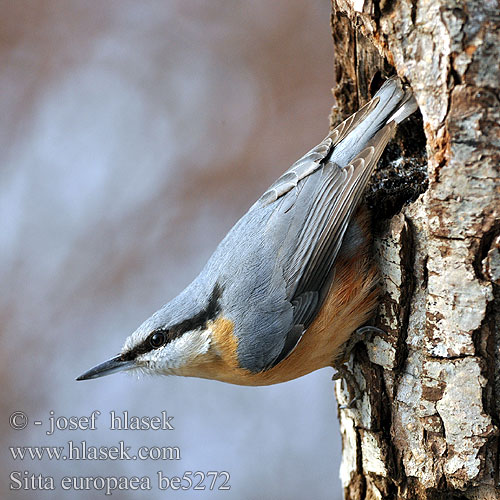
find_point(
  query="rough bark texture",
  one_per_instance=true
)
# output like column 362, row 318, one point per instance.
column 426, row 425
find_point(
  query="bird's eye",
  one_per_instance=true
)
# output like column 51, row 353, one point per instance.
column 157, row 339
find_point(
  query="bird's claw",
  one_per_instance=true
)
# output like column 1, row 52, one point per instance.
column 351, row 383
column 368, row 329
column 349, row 405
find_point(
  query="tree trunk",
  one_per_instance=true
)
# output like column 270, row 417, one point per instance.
column 426, row 424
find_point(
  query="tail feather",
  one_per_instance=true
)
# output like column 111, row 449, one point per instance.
column 393, row 103
column 406, row 108
column 396, row 101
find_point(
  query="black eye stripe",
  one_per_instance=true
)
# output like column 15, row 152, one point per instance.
column 149, row 344
column 199, row 320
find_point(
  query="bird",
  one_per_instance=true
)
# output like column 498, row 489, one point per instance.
column 292, row 280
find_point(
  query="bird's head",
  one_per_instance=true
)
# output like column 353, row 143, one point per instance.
column 176, row 337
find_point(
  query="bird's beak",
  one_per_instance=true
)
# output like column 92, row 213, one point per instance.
column 113, row 365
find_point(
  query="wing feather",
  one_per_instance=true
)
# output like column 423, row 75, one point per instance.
column 312, row 160
column 309, row 268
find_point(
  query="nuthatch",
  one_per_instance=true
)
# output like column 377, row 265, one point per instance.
column 291, row 281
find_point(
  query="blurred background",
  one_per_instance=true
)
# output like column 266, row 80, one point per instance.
column 133, row 135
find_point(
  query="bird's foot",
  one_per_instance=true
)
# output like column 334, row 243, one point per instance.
column 343, row 373
column 363, row 330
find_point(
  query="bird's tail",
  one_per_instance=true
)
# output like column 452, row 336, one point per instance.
column 406, row 104
column 392, row 103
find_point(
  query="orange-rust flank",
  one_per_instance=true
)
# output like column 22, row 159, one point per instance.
column 350, row 303
column 225, row 341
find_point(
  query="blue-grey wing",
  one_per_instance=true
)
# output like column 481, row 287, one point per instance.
column 305, row 215
column 322, row 204
column 312, row 160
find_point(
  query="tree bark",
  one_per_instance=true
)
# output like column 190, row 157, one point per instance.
column 426, row 423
